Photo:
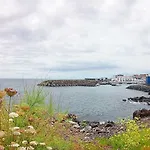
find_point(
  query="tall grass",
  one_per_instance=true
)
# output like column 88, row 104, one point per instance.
column 34, row 97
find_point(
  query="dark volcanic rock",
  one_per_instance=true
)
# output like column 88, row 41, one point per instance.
column 124, row 100
column 140, row 99
column 110, row 124
column 141, row 113
column 143, row 88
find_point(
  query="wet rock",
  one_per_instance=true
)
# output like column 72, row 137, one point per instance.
column 94, row 124
column 140, row 99
column 141, row 113
column 110, row 124
column 124, row 100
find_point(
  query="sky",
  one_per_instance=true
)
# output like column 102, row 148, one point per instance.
column 67, row 39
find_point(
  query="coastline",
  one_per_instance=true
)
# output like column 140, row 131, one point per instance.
column 140, row 87
column 95, row 129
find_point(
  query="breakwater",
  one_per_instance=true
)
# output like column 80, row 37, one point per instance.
column 60, row 83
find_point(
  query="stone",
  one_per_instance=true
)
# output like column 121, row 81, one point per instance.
column 124, row 100
column 109, row 124
column 82, row 130
column 73, row 123
column 76, row 126
column 141, row 113
column 88, row 128
column 94, row 124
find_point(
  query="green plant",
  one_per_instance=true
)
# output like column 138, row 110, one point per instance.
column 50, row 107
column 133, row 138
column 34, row 97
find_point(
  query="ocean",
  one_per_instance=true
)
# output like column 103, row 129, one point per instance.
column 100, row 103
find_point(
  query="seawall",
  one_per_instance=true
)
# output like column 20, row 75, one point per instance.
column 60, row 83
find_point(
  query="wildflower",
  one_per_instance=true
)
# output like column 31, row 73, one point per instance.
column 33, row 143
column 13, row 115
column 30, row 130
column 2, row 134
column 24, row 142
column 10, row 92
column 15, row 128
column 2, row 94
column 25, row 108
column 49, row 148
column 20, row 113
column 30, row 148
column 13, row 144
column 10, row 120
column 17, row 133
column 22, row 148
column 2, row 147
column 30, row 119
column 30, row 127
column 42, row 144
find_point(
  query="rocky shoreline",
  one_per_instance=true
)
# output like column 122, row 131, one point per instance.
column 94, row 129
column 144, row 88
column 141, row 99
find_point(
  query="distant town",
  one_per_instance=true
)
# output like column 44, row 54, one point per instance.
column 124, row 79
column 116, row 80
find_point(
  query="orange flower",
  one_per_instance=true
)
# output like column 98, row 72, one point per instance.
column 25, row 108
column 20, row 113
column 10, row 92
column 31, row 119
column 2, row 94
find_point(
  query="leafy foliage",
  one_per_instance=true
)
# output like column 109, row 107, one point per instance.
column 133, row 138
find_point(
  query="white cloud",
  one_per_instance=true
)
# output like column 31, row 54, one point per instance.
column 73, row 38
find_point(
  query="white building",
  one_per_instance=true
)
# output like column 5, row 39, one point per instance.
column 123, row 79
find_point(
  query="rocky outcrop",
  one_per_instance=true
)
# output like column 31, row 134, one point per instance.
column 91, row 130
column 60, row 83
column 143, row 88
column 141, row 113
column 139, row 99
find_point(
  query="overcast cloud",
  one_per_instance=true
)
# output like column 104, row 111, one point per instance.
column 73, row 38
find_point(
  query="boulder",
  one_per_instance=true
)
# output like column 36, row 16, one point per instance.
column 141, row 113
column 110, row 124
column 124, row 100
column 94, row 124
